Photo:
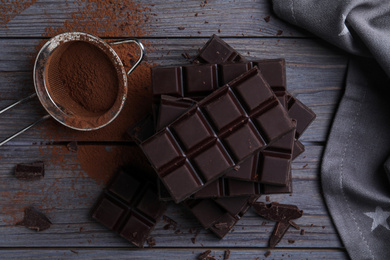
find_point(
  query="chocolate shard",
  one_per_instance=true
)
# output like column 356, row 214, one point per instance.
column 30, row 171
column 33, row 219
column 277, row 212
column 278, row 233
column 282, row 213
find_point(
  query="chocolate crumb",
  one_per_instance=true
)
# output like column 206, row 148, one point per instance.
column 267, row 254
column 279, row 32
column 181, row 27
column 186, row 55
column 171, row 222
column 34, row 219
column 196, row 14
column 291, row 241
column 267, row 18
column 304, row 166
column 302, row 232
column 219, row 30
column 74, row 251
column 81, row 229
column 267, row 198
column 204, row 255
column 323, row 227
column 151, row 242
column 226, row 255
column 72, row 147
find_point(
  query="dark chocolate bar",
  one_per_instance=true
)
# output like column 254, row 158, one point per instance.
column 30, row 171
column 216, row 134
column 220, row 215
column 252, row 168
column 130, row 206
column 217, row 51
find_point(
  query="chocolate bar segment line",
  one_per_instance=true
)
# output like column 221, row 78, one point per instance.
column 229, row 114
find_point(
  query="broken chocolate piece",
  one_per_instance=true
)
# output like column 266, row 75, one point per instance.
column 30, row 171
column 226, row 255
column 34, row 219
column 72, row 146
column 282, row 213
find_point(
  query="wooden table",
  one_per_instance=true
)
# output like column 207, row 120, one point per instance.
column 315, row 75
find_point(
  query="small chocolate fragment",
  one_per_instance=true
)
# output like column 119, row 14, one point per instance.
column 151, row 242
column 130, row 206
column 72, row 146
column 34, row 219
column 267, row 254
column 282, row 213
column 206, row 255
column 226, row 255
column 30, row 171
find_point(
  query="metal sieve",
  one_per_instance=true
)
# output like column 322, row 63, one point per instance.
column 50, row 89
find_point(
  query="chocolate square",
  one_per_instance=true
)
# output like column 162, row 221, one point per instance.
column 224, row 110
column 167, row 80
column 167, row 151
column 200, row 79
column 244, row 141
column 213, row 161
column 192, row 130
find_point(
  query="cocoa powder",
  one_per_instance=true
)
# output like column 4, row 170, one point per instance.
column 88, row 76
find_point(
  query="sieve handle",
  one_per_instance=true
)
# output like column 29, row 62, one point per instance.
column 24, row 129
column 141, row 48
column 17, row 103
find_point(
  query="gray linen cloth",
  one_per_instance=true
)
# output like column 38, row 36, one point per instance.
column 356, row 162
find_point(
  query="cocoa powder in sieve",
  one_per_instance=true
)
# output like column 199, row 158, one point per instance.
column 88, row 76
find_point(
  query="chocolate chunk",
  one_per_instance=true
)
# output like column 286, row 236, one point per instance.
column 282, row 213
column 226, row 255
column 267, row 18
column 34, row 219
column 267, row 254
column 30, row 171
column 130, row 206
column 72, row 146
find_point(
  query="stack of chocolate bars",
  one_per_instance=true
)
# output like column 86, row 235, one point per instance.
column 224, row 130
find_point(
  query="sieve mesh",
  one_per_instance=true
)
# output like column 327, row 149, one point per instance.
column 58, row 88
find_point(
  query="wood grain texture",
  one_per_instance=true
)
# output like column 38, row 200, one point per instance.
column 67, row 193
column 225, row 18
column 168, row 254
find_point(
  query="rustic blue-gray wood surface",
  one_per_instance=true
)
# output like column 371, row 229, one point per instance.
column 315, row 75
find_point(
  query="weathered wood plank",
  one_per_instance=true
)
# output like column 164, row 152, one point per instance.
column 153, row 253
column 315, row 75
column 199, row 18
column 67, row 193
